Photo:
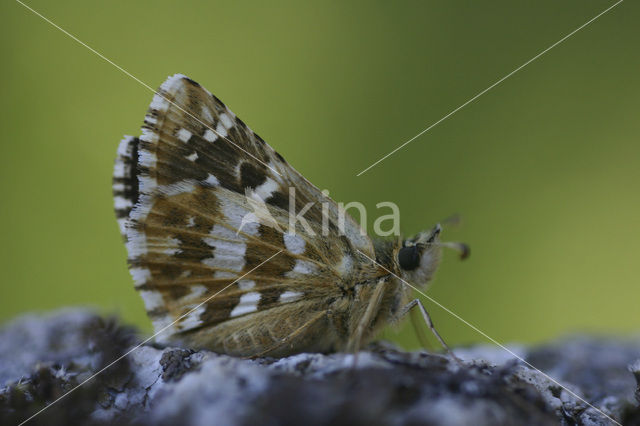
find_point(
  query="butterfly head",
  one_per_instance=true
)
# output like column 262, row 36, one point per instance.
column 419, row 257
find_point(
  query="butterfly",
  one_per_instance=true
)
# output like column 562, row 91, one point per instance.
column 204, row 205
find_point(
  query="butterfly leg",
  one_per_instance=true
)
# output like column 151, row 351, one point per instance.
column 417, row 323
column 429, row 322
column 365, row 321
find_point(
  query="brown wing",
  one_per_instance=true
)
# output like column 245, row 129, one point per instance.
column 203, row 201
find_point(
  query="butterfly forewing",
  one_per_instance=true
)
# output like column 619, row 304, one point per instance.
column 183, row 193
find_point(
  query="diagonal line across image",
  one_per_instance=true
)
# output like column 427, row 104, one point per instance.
column 148, row 339
column 486, row 90
column 362, row 172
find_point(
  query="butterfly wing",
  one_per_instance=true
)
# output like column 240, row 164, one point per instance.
column 203, row 201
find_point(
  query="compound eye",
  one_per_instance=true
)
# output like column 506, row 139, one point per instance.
column 409, row 258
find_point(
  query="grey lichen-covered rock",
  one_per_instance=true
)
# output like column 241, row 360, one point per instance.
column 43, row 358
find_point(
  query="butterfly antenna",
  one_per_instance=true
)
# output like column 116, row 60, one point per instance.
column 463, row 249
column 454, row 221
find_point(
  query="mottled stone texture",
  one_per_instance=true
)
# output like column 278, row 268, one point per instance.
column 41, row 358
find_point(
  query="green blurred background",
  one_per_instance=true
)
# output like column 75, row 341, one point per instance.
column 544, row 168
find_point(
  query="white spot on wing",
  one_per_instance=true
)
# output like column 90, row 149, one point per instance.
column 192, row 157
column 184, row 135
column 146, row 184
column 246, row 284
column 304, row 267
column 225, row 261
column 136, row 240
column 152, row 299
column 290, row 296
column 147, row 159
column 210, row 136
column 224, row 274
column 233, row 214
column 212, row 180
column 221, row 130
column 229, row 250
column 346, row 265
column 159, row 103
column 118, row 169
column 173, row 246
column 219, row 231
column 122, row 224
column 149, row 135
column 197, row 291
column 165, row 324
column 192, row 319
column 294, row 243
column 191, row 222
column 182, row 187
column 140, row 275
column 226, row 121
column 248, row 303
column 206, row 113
column 122, row 203
column 235, row 248
column 125, row 148
column 267, row 189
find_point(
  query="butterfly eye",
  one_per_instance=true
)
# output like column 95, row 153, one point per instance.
column 409, row 258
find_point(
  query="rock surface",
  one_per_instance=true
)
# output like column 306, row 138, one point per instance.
column 43, row 357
